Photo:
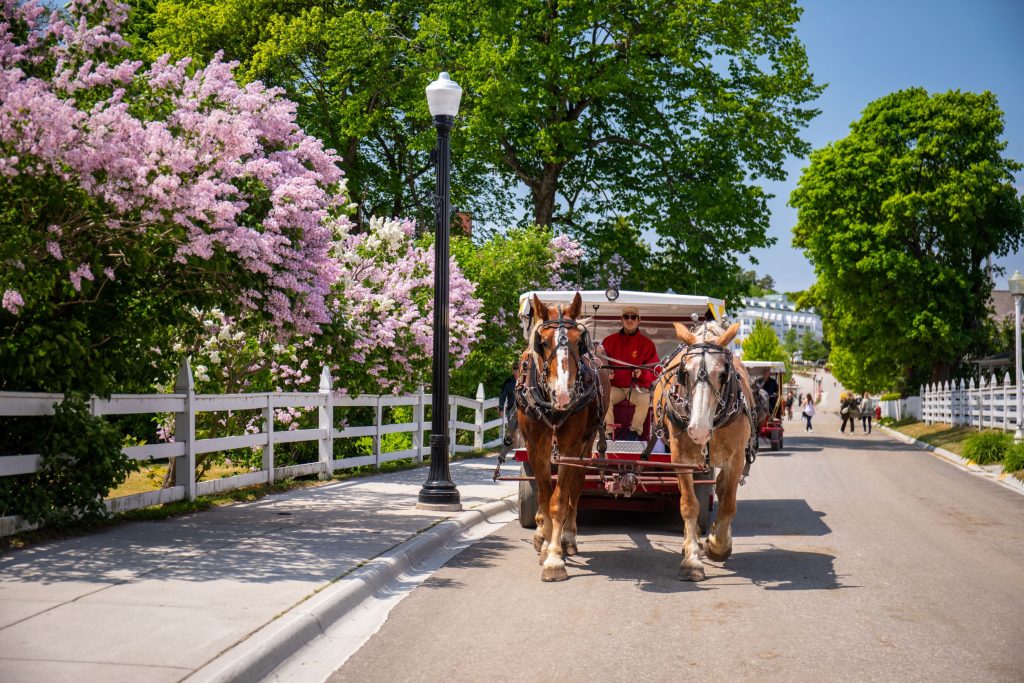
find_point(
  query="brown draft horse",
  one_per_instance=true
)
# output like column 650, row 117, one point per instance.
column 560, row 396
column 705, row 406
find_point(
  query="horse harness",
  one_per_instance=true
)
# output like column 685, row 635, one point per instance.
column 729, row 398
column 532, row 395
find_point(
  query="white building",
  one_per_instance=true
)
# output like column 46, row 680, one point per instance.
column 777, row 311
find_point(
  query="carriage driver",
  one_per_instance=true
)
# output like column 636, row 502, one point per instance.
column 630, row 346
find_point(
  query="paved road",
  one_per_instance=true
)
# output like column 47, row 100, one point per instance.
column 856, row 558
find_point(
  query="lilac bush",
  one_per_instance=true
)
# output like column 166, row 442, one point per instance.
column 120, row 177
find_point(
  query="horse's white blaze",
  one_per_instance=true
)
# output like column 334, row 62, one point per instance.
column 701, row 416
column 562, row 378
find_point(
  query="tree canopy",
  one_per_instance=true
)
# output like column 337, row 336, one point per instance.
column 899, row 220
column 660, row 117
column 664, row 115
column 357, row 72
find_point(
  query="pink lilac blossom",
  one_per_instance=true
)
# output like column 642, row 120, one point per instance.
column 180, row 174
column 82, row 272
column 12, row 301
column 566, row 252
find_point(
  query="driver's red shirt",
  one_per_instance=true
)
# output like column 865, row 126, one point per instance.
column 635, row 349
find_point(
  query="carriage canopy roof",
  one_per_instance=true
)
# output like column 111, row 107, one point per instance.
column 657, row 312
column 775, row 365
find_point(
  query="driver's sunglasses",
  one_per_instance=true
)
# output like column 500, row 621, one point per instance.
column 630, row 316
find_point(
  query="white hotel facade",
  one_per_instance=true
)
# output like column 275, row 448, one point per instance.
column 777, row 311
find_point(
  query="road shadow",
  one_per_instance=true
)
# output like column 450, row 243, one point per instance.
column 799, row 449
column 778, row 517
column 778, row 569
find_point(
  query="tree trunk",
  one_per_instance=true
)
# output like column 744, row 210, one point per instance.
column 544, row 195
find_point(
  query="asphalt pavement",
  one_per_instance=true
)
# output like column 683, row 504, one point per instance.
column 225, row 594
column 230, row 594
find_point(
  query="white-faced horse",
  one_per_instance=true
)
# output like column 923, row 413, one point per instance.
column 560, row 397
column 704, row 405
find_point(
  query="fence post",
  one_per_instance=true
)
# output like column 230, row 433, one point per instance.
column 326, row 424
column 417, row 434
column 185, row 432
column 378, row 417
column 453, row 414
column 1009, row 403
column 478, row 436
column 268, row 429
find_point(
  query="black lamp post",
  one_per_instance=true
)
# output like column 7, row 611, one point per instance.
column 439, row 492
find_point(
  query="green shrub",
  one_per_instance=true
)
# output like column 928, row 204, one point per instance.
column 1014, row 460
column 987, row 447
column 81, row 462
column 891, row 396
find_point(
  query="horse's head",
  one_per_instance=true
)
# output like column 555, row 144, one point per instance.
column 558, row 343
column 706, row 375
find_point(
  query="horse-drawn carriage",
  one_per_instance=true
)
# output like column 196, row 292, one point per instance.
column 771, row 428
column 703, row 408
column 619, row 479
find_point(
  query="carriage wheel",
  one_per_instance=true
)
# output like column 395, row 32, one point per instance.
column 776, row 440
column 527, row 498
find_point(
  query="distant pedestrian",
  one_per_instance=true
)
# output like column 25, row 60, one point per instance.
column 790, row 400
column 849, row 411
column 808, row 412
column 867, row 409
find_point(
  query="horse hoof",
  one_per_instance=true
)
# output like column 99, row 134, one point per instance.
column 538, row 543
column 691, row 573
column 570, row 549
column 717, row 556
column 554, row 574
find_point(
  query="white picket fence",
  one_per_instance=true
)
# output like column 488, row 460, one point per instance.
column 185, row 404
column 989, row 404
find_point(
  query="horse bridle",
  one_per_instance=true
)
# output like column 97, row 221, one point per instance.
column 728, row 396
column 532, row 395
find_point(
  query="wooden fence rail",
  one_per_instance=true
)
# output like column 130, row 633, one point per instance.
column 987, row 403
column 184, row 403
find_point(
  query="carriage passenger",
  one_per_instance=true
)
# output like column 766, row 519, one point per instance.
column 770, row 387
column 630, row 382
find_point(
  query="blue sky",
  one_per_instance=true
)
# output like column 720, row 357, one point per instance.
column 865, row 49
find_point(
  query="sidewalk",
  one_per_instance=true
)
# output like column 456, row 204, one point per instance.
column 224, row 594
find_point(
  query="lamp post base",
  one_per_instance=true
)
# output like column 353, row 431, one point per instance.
column 1018, row 436
column 439, row 496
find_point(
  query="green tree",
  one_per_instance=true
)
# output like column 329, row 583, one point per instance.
column 790, row 342
column 763, row 344
column 502, row 268
column 899, row 219
column 357, row 73
column 664, row 115
column 811, row 349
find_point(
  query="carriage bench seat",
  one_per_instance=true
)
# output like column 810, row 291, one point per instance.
column 623, row 412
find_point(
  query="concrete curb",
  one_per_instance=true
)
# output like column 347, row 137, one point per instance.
column 1006, row 480
column 259, row 654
